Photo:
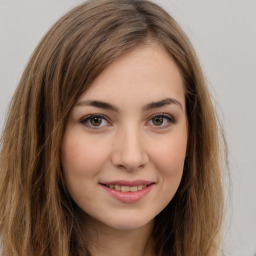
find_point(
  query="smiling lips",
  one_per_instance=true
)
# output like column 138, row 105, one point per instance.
column 127, row 188
column 126, row 191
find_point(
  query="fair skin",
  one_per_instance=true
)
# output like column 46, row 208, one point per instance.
column 127, row 132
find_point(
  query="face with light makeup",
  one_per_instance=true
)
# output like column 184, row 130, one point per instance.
column 125, row 141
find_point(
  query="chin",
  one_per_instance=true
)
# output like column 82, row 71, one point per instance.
column 129, row 226
column 128, row 222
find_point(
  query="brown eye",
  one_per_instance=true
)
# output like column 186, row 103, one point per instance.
column 96, row 120
column 161, row 120
column 158, row 120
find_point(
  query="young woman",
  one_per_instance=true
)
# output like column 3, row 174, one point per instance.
column 111, row 145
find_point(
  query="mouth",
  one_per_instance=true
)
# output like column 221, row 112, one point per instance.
column 128, row 191
column 126, row 188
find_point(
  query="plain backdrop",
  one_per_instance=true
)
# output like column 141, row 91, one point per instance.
column 223, row 33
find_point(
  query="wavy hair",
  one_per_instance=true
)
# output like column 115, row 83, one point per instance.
column 37, row 215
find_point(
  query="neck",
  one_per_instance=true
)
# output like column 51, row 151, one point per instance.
column 106, row 241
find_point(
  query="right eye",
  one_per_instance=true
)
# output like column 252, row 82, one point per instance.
column 94, row 121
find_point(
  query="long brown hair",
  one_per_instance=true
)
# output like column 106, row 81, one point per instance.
column 37, row 216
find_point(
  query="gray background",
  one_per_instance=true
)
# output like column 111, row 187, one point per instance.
column 224, row 35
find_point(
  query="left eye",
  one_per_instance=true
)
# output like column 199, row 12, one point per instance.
column 94, row 121
column 162, row 120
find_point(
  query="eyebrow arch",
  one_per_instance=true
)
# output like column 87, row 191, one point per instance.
column 162, row 103
column 105, row 105
column 98, row 104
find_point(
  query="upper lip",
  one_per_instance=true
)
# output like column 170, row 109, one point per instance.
column 127, row 182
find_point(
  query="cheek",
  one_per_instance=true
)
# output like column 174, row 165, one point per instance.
column 169, row 156
column 82, row 161
column 81, row 156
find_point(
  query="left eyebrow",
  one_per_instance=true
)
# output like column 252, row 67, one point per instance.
column 98, row 104
column 162, row 103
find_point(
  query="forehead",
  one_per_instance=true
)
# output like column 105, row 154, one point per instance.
column 147, row 73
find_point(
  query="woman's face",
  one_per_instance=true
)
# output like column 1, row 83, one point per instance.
column 125, row 141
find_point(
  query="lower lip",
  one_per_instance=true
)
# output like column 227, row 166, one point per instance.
column 128, row 197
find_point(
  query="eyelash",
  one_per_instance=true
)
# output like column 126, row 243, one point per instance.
column 169, row 118
column 87, row 120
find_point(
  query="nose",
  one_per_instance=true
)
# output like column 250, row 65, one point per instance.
column 129, row 150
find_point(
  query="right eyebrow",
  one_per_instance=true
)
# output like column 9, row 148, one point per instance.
column 162, row 103
column 98, row 104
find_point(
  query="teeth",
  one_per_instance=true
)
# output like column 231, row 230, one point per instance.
column 117, row 187
column 127, row 188
column 134, row 189
column 140, row 187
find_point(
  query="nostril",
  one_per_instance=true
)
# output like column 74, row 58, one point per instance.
column 129, row 151
column 129, row 162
